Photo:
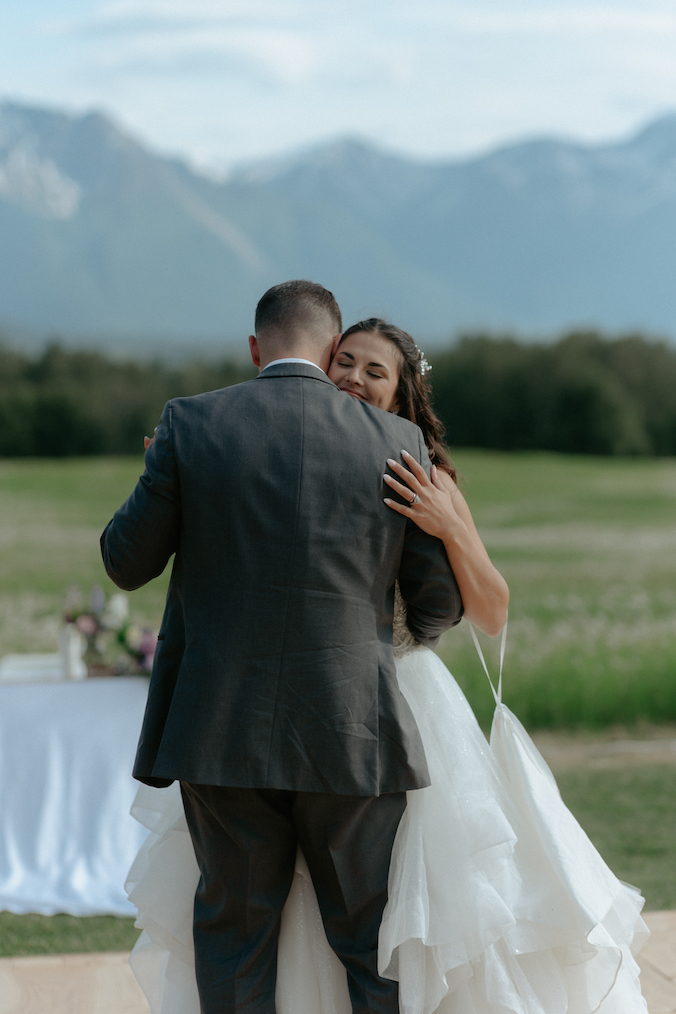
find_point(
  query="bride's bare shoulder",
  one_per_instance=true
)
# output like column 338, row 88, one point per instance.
column 449, row 484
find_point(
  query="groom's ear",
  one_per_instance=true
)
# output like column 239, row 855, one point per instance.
column 336, row 343
column 254, row 350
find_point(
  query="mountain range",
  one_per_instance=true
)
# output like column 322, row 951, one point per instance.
column 106, row 242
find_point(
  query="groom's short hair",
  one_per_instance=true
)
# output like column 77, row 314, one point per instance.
column 298, row 305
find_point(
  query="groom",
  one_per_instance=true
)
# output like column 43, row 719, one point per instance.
column 274, row 697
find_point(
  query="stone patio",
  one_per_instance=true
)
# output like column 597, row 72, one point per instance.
column 104, row 984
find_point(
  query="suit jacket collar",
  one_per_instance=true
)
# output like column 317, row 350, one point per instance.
column 295, row 370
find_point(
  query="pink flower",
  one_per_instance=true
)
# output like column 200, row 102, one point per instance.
column 87, row 625
column 147, row 649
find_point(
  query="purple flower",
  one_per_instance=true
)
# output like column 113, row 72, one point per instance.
column 97, row 599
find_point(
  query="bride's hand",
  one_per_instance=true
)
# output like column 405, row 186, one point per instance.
column 434, row 512
column 441, row 511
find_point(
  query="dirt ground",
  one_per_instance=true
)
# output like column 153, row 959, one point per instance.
column 612, row 748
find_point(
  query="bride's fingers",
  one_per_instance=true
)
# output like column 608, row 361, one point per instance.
column 416, row 468
column 405, row 492
column 406, row 475
column 400, row 508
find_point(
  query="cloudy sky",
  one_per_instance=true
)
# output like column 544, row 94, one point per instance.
column 227, row 81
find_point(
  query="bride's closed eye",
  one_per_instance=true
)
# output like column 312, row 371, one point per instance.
column 348, row 365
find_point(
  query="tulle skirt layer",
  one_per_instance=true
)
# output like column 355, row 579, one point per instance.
column 498, row 902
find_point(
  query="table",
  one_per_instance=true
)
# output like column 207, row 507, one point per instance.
column 66, row 754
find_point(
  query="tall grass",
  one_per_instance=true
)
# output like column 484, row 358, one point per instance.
column 52, row 514
column 588, row 547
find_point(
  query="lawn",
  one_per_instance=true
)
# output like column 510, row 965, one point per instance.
column 53, row 513
column 588, row 548
column 630, row 815
column 64, row 934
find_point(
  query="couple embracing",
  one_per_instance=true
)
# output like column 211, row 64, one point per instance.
column 329, row 787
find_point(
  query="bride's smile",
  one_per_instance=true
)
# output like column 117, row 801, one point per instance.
column 366, row 366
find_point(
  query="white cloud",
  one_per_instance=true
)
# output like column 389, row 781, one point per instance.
column 145, row 15
column 225, row 80
column 570, row 20
column 277, row 55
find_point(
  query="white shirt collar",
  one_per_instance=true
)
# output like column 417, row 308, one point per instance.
column 306, row 362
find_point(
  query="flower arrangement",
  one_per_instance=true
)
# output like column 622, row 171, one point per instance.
column 112, row 643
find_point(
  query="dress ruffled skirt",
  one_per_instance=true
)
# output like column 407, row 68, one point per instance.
column 498, row 902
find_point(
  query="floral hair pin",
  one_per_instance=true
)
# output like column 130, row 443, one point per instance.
column 423, row 365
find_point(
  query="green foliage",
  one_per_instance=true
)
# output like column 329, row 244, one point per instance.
column 582, row 395
column 80, row 403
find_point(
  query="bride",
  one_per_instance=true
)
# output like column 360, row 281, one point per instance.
column 498, row 902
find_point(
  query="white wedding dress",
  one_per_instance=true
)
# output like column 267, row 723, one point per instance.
column 498, row 902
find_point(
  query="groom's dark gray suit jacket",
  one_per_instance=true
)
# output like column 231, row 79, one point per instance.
column 274, row 667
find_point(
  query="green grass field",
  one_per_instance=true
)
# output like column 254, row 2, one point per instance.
column 630, row 815
column 587, row 546
column 53, row 513
column 64, row 934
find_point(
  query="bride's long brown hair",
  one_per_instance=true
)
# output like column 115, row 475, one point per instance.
column 413, row 391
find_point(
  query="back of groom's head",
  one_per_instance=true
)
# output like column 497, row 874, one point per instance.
column 296, row 312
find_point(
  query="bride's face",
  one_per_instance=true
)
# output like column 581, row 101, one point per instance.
column 366, row 366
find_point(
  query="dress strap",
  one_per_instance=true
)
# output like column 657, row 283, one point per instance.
column 497, row 694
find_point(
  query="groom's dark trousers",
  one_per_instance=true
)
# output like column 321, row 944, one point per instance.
column 245, row 842
column 274, row 698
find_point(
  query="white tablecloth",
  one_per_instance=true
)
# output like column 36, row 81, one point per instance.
column 66, row 754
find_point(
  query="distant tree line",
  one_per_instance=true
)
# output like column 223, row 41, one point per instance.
column 584, row 394
column 71, row 402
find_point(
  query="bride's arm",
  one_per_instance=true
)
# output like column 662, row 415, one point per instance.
column 443, row 512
